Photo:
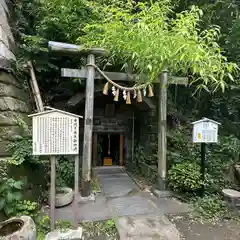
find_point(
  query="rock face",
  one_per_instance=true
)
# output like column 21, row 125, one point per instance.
column 6, row 37
column 14, row 101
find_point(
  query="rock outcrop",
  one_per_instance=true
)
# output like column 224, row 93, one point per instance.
column 14, row 101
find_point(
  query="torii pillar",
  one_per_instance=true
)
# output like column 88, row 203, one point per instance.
column 75, row 50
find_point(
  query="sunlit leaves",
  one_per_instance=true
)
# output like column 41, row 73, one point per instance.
column 153, row 41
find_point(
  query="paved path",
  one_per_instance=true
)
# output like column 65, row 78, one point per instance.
column 115, row 182
column 133, row 209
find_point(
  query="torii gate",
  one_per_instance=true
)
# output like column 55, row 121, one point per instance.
column 89, row 74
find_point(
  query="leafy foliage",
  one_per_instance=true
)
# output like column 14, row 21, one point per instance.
column 154, row 41
column 139, row 155
column 185, row 177
column 38, row 22
column 65, row 172
column 21, row 147
column 10, row 195
column 27, row 208
column 220, row 159
column 210, row 208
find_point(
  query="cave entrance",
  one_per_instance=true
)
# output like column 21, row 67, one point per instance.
column 108, row 149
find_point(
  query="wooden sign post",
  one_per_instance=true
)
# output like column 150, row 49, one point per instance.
column 205, row 131
column 56, row 133
column 52, row 191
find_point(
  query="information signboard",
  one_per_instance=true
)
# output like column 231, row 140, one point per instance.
column 55, row 132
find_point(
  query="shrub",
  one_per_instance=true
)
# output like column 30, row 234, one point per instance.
column 26, row 207
column 185, row 177
column 10, row 194
column 210, row 208
column 65, row 172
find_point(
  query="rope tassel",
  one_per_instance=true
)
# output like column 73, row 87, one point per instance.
column 150, row 91
column 128, row 100
column 116, row 96
column 139, row 95
column 105, row 89
column 137, row 90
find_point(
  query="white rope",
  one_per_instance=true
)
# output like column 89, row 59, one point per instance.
column 128, row 89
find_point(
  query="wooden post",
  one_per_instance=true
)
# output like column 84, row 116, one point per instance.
column 162, row 129
column 121, row 150
column 203, row 159
column 76, row 191
column 35, row 89
column 34, row 96
column 88, row 125
column 52, row 191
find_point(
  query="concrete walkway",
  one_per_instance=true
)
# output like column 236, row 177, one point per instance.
column 138, row 214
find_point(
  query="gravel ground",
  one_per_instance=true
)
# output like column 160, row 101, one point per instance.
column 192, row 230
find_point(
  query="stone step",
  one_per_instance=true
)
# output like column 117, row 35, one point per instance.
column 232, row 197
column 146, row 228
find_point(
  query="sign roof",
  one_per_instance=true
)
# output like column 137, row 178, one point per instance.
column 206, row 119
column 51, row 110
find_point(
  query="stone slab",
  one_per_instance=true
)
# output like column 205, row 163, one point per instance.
column 4, row 148
column 131, row 206
column 115, row 182
column 8, row 90
column 9, row 79
column 146, row 228
column 5, row 52
column 112, row 175
column 74, row 234
column 91, row 197
column 162, row 194
column 231, row 193
column 9, row 132
column 89, row 211
column 4, row 36
column 12, row 104
column 109, row 170
column 8, row 118
column 117, row 187
column 170, row 205
column 4, row 5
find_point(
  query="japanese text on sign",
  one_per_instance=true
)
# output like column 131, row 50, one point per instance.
column 55, row 134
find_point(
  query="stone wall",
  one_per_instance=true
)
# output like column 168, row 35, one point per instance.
column 14, row 101
column 6, row 37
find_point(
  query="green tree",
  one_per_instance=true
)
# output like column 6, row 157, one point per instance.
column 153, row 40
